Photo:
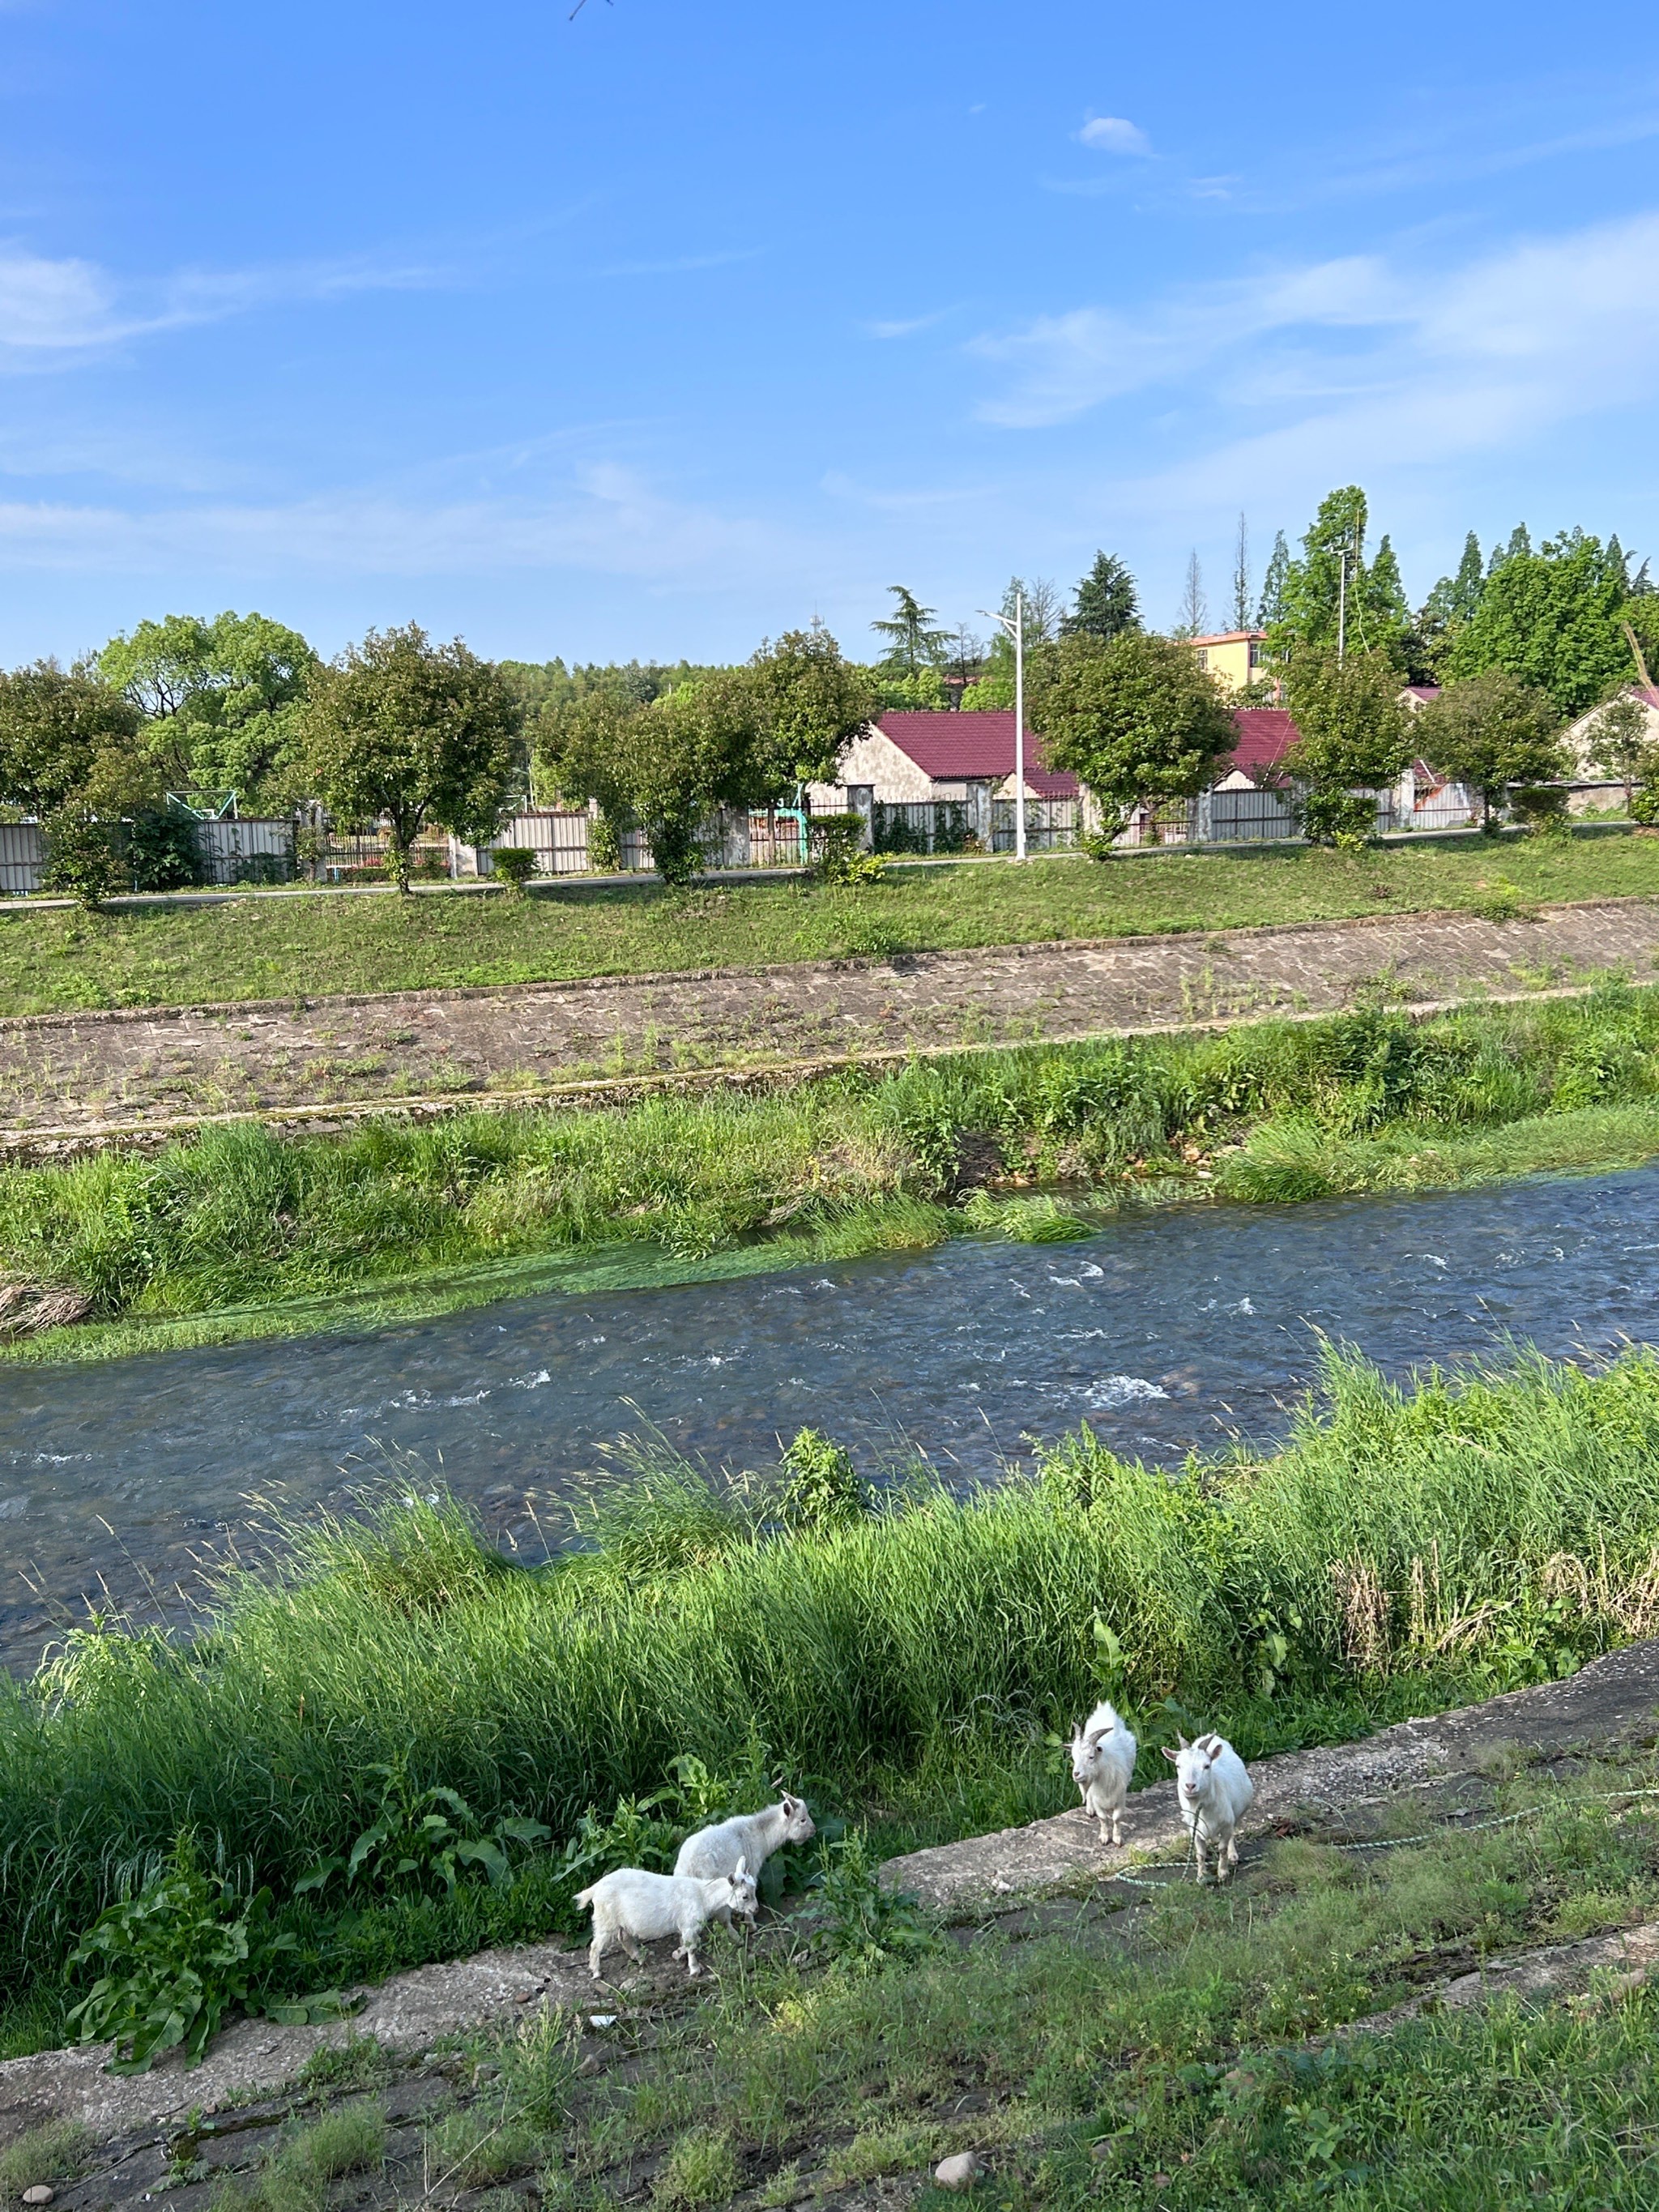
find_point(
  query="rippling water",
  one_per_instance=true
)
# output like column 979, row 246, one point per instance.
column 1165, row 1332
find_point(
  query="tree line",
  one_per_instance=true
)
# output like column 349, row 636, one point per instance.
column 422, row 734
column 403, row 731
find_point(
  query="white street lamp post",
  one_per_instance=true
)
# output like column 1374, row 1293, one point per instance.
column 1016, row 629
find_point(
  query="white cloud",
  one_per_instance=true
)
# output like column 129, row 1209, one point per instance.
column 1115, row 134
column 1451, row 358
column 70, row 307
column 605, row 517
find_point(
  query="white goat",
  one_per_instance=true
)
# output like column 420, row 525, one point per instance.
column 749, row 1839
column 631, row 1905
column 1102, row 1766
column 1214, row 1793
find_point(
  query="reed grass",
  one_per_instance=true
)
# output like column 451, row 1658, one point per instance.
column 1500, row 1525
column 245, row 1232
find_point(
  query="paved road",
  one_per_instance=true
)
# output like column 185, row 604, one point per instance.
column 80, row 1072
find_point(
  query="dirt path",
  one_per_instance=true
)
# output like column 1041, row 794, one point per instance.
column 80, row 1073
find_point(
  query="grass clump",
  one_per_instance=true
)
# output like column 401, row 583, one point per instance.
column 58, row 2151
column 244, row 1230
column 265, row 946
column 700, row 2169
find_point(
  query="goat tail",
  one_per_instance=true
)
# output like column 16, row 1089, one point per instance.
column 584, row 1896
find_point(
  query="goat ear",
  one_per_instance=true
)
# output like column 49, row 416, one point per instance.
column 1174, row 1757
column 742, row 1867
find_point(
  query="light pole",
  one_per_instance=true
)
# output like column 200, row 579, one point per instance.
column 1016, row 629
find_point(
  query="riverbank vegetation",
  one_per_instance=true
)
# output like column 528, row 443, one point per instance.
column 904, row 1656
column 268, row 944
column 244, row 1232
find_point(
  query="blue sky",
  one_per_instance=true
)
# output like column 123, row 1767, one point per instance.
column 658, row 331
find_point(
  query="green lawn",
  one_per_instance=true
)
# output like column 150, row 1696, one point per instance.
column 274, row 945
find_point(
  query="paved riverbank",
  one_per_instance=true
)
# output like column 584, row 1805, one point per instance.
column 86, row 1076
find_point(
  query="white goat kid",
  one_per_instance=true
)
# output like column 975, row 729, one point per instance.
column 748, row 1840
column 1102, row 1767
column 631, row 1907
column 1214, row 1793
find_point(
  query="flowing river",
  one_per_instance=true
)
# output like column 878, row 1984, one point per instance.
column 1165, row 1331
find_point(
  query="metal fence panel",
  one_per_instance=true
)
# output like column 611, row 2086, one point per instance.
column 22, row 857
column 256, row 848
column 1051, row 826
column 925, row 825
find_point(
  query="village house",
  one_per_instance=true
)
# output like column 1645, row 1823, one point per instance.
column 1233, row 657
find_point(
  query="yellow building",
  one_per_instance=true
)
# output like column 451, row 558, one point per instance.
column 1233, row 657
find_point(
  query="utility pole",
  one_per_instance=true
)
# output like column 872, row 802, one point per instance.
column 1342, row 607
column 1016, row 630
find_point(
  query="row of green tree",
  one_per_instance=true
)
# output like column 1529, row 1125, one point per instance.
column 1570, row 619
column 1142, row 724
column 403, row 731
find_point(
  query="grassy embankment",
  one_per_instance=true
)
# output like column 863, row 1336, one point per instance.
column 242, row 1233
column 270, row 945
column 1182, row 2057
column 904, row 1659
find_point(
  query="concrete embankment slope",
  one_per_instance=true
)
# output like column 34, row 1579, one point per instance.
column 1440, row 1764
column 67, row 1081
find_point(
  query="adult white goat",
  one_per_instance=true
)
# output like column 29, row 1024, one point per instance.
column 749, row 1839
column 1102, row 1767
column 1214, row 1792
column 630, row 1907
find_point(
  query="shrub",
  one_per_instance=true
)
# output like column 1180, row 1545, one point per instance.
column 514, row 863
column 176, row 1956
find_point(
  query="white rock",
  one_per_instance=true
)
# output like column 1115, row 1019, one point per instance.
column 960, row 2172
column 40, row 2194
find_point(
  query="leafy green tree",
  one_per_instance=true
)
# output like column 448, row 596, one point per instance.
column 1518, row 547
column 81, row 856
column 1451, row 602
column 1135, row 718
column 581, row 757
column 811, row 706
column 1490, row 731
column 59, row 729
column 1316, row 609
column 1353, row 740
column 664, row 768
column 913, row 641
column 1270, row 609
column 1042, row 619
column 1619, row 743
column 221, row 699
column 924, row 691
column 1241, row 609
column 414, row 732
column 1553, row 620
column 1106, row 601
column 695, row 749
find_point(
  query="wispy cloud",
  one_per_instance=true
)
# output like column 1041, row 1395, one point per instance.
column 907, row 327
column 1114, row 134
column 681, row 265
column 1067, row 363
column 604, row 516
column 54, row 309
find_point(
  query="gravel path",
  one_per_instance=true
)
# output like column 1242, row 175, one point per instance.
column 79, row 1074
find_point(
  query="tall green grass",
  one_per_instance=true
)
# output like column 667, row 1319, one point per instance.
column 1507, row 1524
column 242, row 1220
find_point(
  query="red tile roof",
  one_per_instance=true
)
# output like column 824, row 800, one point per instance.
column 1266, row 734
column 952, row 747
